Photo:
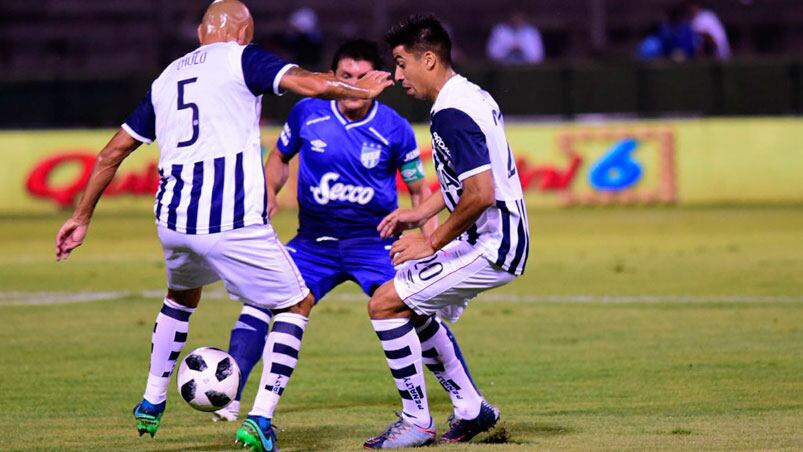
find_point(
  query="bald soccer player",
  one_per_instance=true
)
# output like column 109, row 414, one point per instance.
column 211, row 205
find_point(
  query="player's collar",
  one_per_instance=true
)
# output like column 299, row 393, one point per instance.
column 446, row 90
column 350, row 125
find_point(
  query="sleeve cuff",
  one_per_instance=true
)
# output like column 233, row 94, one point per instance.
column 284, row 152
column 477, row 170
column 135, row 135
column 276, row 90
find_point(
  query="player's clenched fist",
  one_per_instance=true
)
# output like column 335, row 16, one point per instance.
column 70, row 236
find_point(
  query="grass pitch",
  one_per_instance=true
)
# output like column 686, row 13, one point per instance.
column 633, row 329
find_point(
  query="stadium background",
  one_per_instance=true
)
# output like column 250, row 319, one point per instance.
column 686, row 278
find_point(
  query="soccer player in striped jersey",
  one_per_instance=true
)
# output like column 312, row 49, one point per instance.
column 349, row 151
column 211, row 205
column 482, row 244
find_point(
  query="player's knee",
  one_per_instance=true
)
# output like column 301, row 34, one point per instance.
column 189, row 298
column 303, row 307
column 385, row 303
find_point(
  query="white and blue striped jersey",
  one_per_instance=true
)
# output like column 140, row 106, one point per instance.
column 203, row 110
column 468, row 138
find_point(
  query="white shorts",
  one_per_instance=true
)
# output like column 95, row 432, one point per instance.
column 444, row 283
column 251, row 261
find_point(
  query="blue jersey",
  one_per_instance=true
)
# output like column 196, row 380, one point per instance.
column 347, row 170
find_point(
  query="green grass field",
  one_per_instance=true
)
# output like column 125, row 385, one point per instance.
column 633, row 329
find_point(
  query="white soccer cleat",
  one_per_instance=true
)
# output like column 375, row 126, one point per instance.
column 229, row 413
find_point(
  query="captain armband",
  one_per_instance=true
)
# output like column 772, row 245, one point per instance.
column 412, row 171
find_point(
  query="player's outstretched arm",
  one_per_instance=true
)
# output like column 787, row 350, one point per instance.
column 326, row 86
column 401, row 220
column 277, row 171
column 72, row 232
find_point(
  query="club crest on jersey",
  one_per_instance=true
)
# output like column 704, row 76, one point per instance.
column 370, row 154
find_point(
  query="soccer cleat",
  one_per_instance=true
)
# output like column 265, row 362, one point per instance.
column 257, row 434
column 402, row 434
column 148, row 416
column 462, row 430
column 229, row 413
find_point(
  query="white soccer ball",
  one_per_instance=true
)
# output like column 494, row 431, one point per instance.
column 208, row 379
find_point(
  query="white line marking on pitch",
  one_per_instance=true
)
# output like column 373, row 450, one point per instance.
column 12, row 298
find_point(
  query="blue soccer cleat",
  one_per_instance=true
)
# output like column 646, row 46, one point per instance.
column 402, row 434
column 257, row 434
column 148, row 416
column 462, row 430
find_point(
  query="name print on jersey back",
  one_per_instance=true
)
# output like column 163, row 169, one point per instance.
column 191, row 60
column 204, row 108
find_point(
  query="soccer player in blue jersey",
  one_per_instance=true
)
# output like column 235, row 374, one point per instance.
column 211, row 206
column 350, row 151
column 482, row 244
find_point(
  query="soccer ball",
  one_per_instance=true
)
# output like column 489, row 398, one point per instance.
column 208, row 379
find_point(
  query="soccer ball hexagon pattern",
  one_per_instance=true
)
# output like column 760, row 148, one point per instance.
column 208, row 379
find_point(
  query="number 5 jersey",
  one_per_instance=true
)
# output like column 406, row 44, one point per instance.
column 203, row 111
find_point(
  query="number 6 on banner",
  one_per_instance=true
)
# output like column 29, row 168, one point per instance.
column 617, row 170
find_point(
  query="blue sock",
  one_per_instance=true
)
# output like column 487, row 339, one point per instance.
column 248, row 340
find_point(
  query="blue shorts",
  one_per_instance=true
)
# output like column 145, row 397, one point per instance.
column 326, row 263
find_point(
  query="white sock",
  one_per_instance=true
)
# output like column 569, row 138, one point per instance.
column 279, row 359
column 441, row 354
column 403, row 352
column 169, row 337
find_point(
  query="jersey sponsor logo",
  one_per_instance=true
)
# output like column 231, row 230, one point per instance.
column 330, row 190
column 318, row 145
column 370, row 154
column 440, row 144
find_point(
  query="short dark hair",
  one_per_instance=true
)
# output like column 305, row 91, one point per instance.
column 420, row 33
column 358, row 50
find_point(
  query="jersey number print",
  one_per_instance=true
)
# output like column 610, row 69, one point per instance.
column 183, row 106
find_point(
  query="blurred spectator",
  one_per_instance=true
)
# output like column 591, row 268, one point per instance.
column 304, row 40
column 714, row 40
column 515, row 42
column 673, row 38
